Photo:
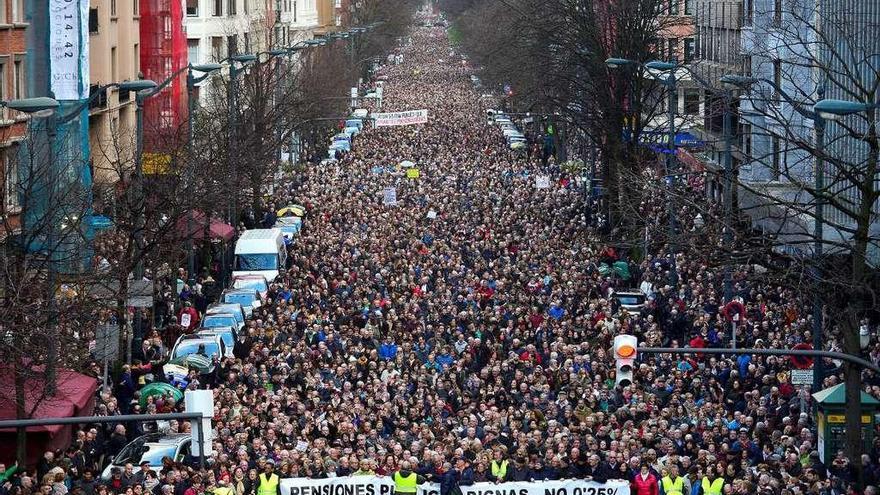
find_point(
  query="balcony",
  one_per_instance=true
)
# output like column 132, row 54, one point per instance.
column 100, row 101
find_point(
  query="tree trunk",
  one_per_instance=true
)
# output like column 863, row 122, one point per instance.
column 20, row 413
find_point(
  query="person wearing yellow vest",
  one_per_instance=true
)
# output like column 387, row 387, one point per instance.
column 711, row 484
column 268, row 482
column 673, row 484
column 498, row 467
column 406, row 482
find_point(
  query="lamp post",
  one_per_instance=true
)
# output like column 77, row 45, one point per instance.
column 671, row 85
column 44, row 107
column 143, row 88
column 231, row 100
column 819, row 216
column 191, row 81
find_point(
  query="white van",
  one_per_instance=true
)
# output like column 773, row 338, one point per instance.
column 260, row 252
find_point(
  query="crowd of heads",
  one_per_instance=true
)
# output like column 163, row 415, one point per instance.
column 471, row 323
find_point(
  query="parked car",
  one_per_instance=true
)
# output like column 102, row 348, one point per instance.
column 220, row 313
column 152, row 448
column 256, row 282
column 226, row 334
column 248, row 298
column 633, row 301
column 290, row 227
column 208, row 346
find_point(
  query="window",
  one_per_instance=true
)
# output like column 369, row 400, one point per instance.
column 192, row 51
column 749, row 14
column 745, row 140
column 673, row 7
column 777, row 80
column 136, row 58
column 114, row 67
column 338, row 4
column 775, row 158
column 17, row 10
column 231, row 7
column 18, row 81
column 246, row 6
column 112, row 8
column 217, row 47
column 294, row 12
column 93, row 20
column 192, row 8
column 688, row 7
column 3, row 111
column 777, row 13
column 688, row 49
column 692, row 101
column 218, row 8
column 3, row 19
column 135, row 7
column 672, row 49
column 247, row 42
column 231, row 45
column 10, row 182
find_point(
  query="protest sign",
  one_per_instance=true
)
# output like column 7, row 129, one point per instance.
column 389, row 196
column 542, row 182
column 413, row 173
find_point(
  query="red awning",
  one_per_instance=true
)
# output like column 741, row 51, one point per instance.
column 74, row 392
column 197, row 225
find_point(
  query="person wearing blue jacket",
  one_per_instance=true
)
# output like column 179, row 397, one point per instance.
column 388, row 349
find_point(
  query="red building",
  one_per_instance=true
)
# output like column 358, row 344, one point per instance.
column 13, row 85
column 163, row 52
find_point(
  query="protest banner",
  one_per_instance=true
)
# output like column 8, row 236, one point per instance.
column 389, row 196
column 400, row 118
column 413, row 173
column 542, row 182
column 372, row 485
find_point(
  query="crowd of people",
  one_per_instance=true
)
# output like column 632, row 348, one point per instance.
column 466, row 330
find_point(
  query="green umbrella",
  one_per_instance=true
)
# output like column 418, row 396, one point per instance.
column 621, row 268
column 159, row 389
column 201, row 363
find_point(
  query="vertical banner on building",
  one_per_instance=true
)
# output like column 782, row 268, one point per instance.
column 69, row 49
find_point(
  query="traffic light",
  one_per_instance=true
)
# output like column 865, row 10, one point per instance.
column 624, row 355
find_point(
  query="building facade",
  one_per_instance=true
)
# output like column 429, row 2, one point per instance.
column 114, row 56
column 808, row 50
column 13, row 85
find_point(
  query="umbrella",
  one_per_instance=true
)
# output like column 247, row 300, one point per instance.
column 407, row 164
column 197, row 361
column 159, row 389
column 291, row 211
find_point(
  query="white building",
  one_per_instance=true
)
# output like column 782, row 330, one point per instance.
column 216, row 29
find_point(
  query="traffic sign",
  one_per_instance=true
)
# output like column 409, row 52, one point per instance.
column 802, row 362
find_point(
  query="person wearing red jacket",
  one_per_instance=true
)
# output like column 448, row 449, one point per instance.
column 188, row 317
column 644, row 482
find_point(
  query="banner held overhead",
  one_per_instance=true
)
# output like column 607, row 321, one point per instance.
column 400, row 118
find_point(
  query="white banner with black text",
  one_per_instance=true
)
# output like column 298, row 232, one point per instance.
column 400, row 118
column 373, row 485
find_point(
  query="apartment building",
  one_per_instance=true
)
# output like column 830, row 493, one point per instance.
column 13, row 85
column 216, row 29
column 114, row 56
column 782, row 45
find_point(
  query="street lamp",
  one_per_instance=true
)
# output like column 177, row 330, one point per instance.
column 835, row 109
column 819, row 186
column 670, row 83
column 45, row 107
